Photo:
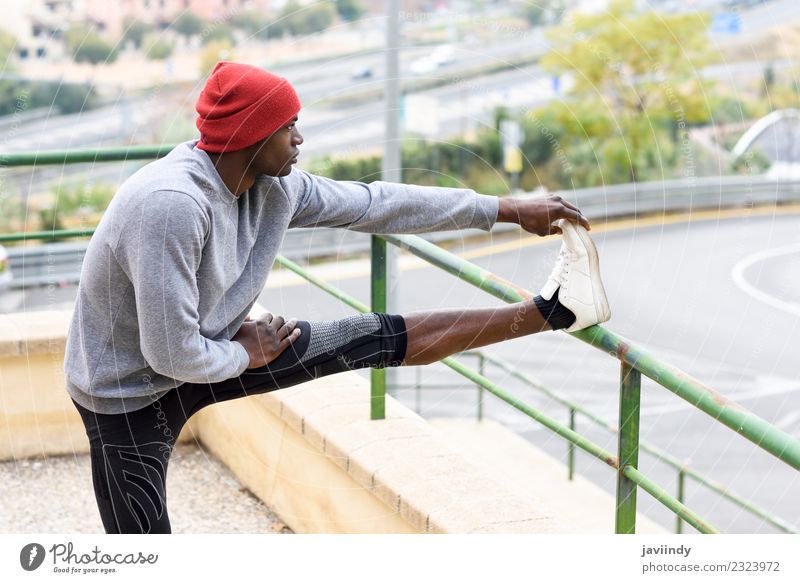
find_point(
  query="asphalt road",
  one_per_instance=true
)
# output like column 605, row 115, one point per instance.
column 718, row 298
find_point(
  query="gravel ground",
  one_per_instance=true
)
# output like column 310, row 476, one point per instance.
column 54, row 495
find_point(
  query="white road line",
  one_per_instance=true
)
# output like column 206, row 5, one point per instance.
column 737, row 273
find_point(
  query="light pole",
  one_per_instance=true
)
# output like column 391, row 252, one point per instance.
column 391, row 168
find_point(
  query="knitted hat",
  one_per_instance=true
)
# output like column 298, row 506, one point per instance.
column 241, row 105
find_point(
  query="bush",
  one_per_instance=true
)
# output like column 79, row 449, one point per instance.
column 17, row 97
column 86, row 46
column 256, row 25
column 65, row 98
column 458, row 164
column 134, row 31
column 215, row 51
column 304, row 21
column 158, row 49
column 8, row 43
column 251, row 22
column 219, row 33
column 83, row 198
column 349, row 10
column 188, row 24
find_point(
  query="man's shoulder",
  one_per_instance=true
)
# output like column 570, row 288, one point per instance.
column 175, row 180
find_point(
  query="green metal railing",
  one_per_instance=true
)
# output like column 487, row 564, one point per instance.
column 575, row 409
column 634, row 361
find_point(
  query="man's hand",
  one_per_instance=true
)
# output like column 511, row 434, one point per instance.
column 266, row 338
column 537, row 215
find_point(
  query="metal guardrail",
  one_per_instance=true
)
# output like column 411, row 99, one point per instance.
column 634, row 361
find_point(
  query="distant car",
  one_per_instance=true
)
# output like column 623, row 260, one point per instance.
column 361, row 73
column 423, row 65
column 441, row 55
column 5, row 270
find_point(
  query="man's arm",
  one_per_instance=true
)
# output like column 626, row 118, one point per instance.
column 160, row 250
column 386, row 207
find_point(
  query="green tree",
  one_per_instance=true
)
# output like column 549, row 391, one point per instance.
column 214, row 52
column 251, row 22
column 134, row 31
column 533, row 13
column 637, row 71
column 188, row 24
column 350, row 10
column 95, row 50
column 157, row 49
column 219, row 33
column 86, row 46
column 64, row 97
column 301, row 21
column 255, row 24
column 8, row 43
column 540, row 12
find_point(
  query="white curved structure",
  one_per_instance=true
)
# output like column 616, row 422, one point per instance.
column 762, row 126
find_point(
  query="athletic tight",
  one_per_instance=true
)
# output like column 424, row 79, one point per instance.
column 130, row 451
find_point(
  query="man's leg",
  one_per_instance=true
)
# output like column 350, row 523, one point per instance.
column 129, row 454
column 435, row 334
column 372, row 340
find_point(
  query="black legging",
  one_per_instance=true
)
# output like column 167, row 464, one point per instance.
column 130, row 451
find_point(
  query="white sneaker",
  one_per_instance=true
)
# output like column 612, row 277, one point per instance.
column 576, row 276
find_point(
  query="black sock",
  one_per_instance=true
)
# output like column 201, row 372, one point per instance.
column 554, row 312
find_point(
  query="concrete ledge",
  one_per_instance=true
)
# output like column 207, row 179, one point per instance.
column 37, row 417
column 580, row 505
column 313, row 455
column 34, row 333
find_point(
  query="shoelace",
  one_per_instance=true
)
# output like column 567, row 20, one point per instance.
column 561, row 268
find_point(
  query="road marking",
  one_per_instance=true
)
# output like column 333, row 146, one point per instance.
column 737, row 273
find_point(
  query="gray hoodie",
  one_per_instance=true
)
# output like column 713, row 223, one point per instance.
column 177, row 262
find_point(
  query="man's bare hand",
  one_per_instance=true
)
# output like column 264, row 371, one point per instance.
column 537, row 215
column 266, row 338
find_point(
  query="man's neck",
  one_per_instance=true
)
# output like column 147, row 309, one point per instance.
column 232, row 170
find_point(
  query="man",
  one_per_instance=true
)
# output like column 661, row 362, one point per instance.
column 161, row 326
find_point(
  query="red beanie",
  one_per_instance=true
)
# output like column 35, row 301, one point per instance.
column 241, row 105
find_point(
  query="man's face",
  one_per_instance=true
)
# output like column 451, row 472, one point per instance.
column 275, row 155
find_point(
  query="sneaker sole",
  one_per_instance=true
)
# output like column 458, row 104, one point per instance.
column 601, row 303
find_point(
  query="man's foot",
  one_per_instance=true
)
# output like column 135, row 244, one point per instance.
column 576, row 276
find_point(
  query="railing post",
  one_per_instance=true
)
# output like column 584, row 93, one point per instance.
column 570, row 445
column 627, row 447
column 681, row 488
column 378, row 302
column 481, row 367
